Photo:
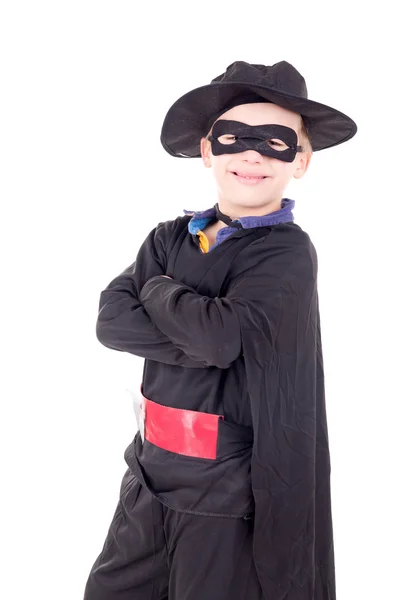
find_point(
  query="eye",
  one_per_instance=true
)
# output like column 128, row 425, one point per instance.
column 227, row 139
column 278, row 144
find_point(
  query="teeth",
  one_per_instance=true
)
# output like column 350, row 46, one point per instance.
column 248, row 177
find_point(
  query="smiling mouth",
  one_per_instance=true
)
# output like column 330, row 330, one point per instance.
column 254, row 178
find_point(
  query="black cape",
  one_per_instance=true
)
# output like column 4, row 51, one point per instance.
column 237, row 331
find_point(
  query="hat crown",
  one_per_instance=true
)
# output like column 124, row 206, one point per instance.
column 281, row 76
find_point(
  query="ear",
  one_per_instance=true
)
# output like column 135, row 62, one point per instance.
column 205, row 149
column 304, row 159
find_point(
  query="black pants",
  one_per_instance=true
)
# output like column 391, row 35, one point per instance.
column 153, row 552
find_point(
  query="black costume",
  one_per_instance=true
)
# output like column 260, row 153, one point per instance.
column 233, row 336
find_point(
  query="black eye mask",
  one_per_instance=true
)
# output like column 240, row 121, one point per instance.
column 277, row 141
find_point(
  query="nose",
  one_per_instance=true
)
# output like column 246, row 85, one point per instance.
column 252, row 156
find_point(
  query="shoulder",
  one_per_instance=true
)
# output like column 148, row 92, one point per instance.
column 291, row 238
column 166, row 232
column 287, row 250
column 289, row 235
column 296, row 239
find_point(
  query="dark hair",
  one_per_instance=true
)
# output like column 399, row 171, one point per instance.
column 305, row 140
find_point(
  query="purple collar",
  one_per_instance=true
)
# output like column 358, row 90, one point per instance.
column 200, row 220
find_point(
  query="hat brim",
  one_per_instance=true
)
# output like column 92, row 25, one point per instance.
column 186, row 121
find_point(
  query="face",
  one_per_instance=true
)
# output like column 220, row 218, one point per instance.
column 238, row 196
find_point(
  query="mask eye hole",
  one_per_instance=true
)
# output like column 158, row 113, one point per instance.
column 226, row 139
column 277, row 144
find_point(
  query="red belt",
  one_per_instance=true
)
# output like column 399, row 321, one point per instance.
column 187, row 432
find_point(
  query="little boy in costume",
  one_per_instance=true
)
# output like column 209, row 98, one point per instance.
column 227, row 494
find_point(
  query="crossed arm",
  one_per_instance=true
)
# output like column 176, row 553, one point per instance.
column 147, row 314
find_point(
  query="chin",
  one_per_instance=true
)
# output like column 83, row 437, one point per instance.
column 239, row 206
column 250, row 201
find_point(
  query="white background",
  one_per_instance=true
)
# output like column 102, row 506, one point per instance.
column 85, row 86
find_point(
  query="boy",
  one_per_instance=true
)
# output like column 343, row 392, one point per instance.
column 227, row 494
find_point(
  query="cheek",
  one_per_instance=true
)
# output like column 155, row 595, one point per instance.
column 282, row 169
column 220, row 166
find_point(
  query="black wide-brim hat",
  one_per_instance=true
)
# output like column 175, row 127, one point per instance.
column 192, row 115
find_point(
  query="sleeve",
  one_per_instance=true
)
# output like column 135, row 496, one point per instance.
column 206, row 327
column 122, row 322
